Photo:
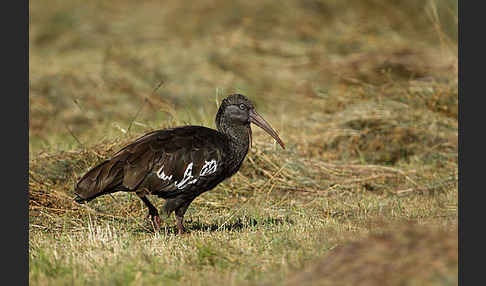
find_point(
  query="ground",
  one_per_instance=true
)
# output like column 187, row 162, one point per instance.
column 363, row 93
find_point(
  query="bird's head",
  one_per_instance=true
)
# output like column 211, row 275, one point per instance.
column 237, row 110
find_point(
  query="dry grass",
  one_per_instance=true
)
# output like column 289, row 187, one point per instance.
column 363, row 93
column 405, row 255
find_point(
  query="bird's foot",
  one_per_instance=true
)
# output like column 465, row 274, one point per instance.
column 155, row 219
column 182, row 231
column 180, row 227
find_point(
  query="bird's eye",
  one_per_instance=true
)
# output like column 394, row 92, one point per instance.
column 242, row 106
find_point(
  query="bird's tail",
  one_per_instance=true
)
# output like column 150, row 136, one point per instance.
column 80, row 200
column 104, row 178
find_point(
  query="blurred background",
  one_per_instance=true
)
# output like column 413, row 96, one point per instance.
column 94, row 64
column 364, row 93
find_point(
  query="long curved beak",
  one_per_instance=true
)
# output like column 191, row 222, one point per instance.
column 260, row 122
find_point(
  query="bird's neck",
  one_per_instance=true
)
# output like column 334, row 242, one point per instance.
column 239, row 140
column 239, row 137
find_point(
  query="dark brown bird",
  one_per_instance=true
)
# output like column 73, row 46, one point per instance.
column 178, row 164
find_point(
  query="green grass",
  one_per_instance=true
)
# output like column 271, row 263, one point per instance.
column 363, row 93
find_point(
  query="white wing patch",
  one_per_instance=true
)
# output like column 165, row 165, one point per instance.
column 160, row 173
column 208, row 168
column 187, row 176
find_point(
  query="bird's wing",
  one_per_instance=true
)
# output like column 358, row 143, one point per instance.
column 170, row 160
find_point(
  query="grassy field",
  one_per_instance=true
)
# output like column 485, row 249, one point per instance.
column 363, row 93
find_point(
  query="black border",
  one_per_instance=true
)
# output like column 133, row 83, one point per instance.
column 15, row 147
column 462, row 150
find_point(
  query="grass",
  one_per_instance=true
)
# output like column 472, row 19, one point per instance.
column 363, row 93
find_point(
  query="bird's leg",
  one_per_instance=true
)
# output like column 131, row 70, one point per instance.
column 153, row 213
column 179, row 224
column 179, row 214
